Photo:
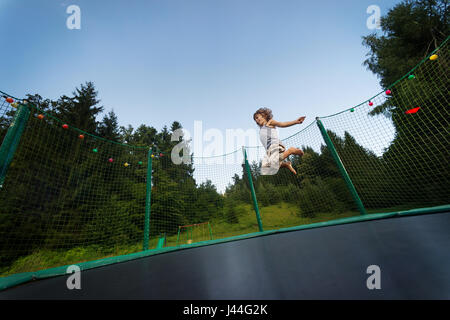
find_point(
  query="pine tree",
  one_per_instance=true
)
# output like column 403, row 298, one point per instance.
column 109, row 127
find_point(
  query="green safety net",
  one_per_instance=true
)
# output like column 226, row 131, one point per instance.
column 395, row 148
column 6, row 115
column 196, row 193
column 316, row 193
column 69, row 196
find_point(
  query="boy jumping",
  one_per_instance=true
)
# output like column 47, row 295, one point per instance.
column 276, row 153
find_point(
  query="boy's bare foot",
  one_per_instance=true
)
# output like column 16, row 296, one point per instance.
column 288, row 165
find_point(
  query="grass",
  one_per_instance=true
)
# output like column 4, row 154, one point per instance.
column 285, row 215
column 273, row 217
column 45, row 258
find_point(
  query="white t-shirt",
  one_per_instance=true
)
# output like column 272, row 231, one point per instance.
column 268, row 136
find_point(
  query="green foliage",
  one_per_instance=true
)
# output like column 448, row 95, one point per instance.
column 412, row 30
column 268, row 194
column 317, row 197
column 239, row 191
column 109, row 127
column 208, row 202
column 231, row 213
column 289, row 193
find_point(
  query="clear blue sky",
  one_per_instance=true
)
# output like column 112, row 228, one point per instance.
column 156, row 61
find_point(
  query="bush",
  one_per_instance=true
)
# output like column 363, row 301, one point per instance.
column 273, row 194
column 317, row 197
column 340, row 189
column 231, row 213
column 289, row 193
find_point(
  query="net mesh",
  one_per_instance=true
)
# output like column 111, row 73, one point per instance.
column 69, row 196
column 395, row 147
column 316, row 193
column 7, row 112
column 198, row 191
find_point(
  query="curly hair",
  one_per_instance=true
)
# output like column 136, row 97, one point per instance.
column 265, row 112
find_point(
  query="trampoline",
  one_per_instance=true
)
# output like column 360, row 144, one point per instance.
column 330, row 262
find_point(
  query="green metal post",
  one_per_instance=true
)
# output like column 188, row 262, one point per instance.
column 161, row 241
column 12, row 139
column 178, row 236
column 148, row 200
column 341, row 167
column 252, row 189
column 210, row 231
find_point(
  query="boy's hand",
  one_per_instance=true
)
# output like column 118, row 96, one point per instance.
column 300, row 120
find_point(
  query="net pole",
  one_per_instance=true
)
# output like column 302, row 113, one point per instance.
column 148, row 201
column 341, row 167
column 12, row 138
column 178, row 236
column 252, row 189
column 210, row 231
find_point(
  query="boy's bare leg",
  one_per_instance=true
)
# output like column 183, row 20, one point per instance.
column 288, row 164
column 292, row 150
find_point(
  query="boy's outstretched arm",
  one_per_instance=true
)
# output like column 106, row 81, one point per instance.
column 287, row 123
